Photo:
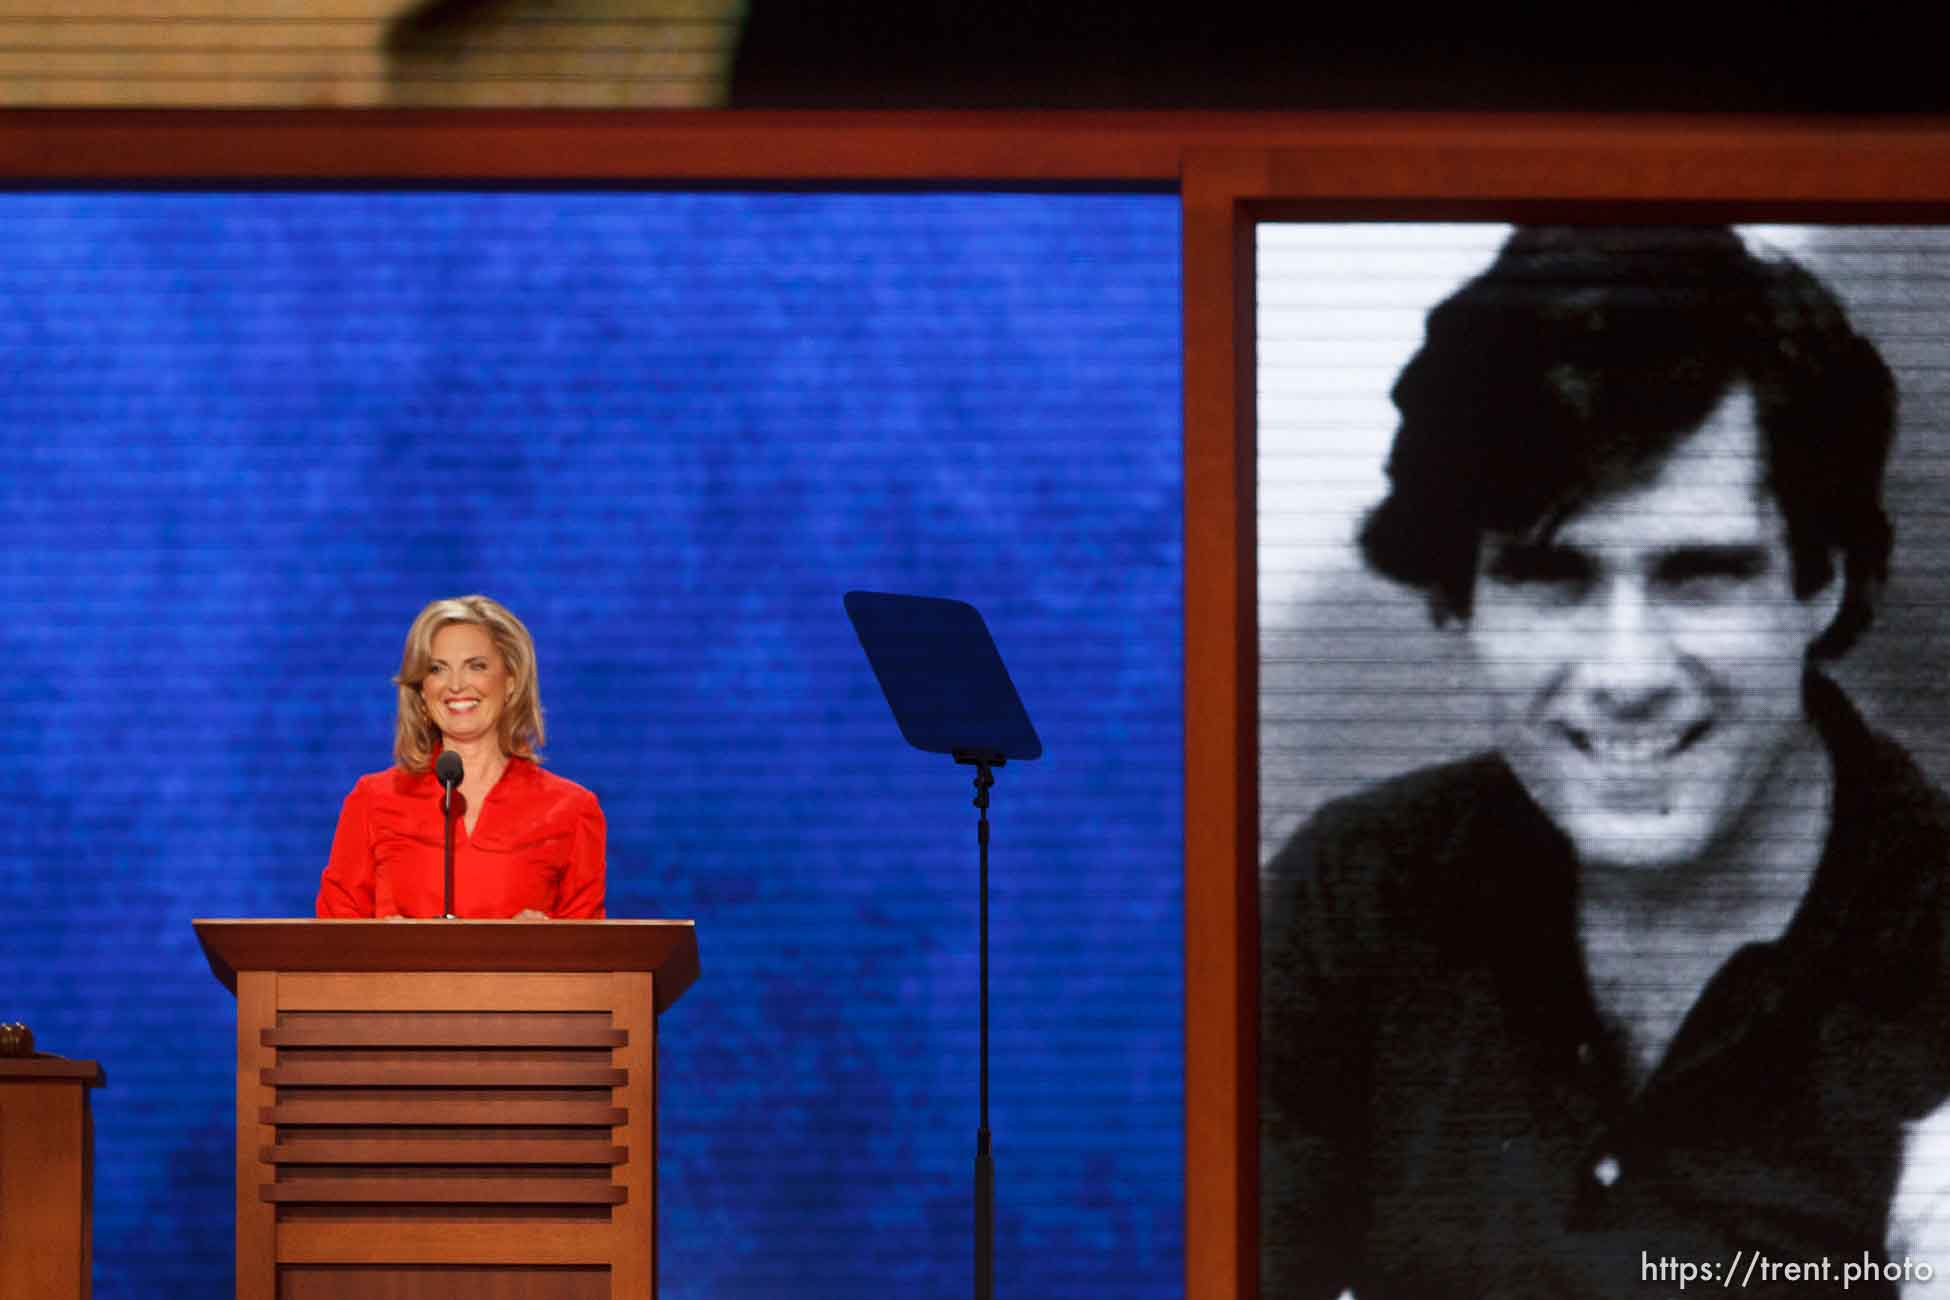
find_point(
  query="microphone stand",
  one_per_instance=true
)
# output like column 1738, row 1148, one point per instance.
column 447, row 793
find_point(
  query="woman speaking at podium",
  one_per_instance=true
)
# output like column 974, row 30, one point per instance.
column 527, row 844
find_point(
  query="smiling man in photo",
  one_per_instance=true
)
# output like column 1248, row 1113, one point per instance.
column 1660, row 979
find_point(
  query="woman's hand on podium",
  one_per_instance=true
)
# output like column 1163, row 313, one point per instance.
column 530, row 914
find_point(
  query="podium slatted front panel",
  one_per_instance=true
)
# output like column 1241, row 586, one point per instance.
column 446, row 1134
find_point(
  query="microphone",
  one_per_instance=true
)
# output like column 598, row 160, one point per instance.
column 448, row 769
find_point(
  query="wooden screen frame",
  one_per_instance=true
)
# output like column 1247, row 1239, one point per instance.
column 1230, row 168
column 1622, row 169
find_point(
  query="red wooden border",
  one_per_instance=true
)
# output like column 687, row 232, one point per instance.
column 1364, row 156
column 1618, row 169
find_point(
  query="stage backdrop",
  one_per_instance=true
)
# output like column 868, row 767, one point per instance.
column 243, row 437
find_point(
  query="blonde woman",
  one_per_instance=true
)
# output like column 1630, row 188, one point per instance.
column 527, row 844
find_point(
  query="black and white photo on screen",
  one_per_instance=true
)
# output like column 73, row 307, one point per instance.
column 1602, row 923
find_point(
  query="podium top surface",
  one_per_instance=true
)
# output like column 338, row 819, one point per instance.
column 33, row 1069
column 669, row 948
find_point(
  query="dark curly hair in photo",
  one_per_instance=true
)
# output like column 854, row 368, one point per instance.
column 1584, row 354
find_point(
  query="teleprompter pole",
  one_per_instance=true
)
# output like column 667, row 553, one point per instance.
column 982, row 761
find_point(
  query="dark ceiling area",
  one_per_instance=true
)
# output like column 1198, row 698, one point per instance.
column 989, row 54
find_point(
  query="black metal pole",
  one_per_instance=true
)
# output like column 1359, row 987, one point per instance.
column 447, row 793
column 984, row 1160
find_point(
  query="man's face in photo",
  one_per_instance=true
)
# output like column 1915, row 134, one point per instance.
column 1644, row 659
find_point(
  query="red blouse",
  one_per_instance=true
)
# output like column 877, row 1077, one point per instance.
column 538, row 842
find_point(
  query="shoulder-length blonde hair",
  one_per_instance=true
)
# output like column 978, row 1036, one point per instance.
column 520, row 726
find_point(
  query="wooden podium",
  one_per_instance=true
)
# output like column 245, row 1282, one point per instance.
column 46, row 1178
column 447, row 1108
